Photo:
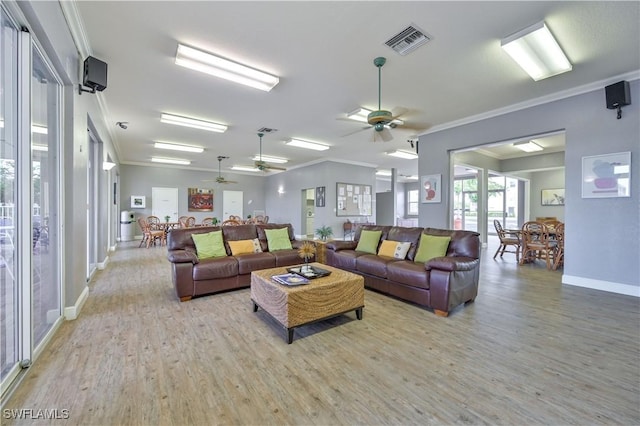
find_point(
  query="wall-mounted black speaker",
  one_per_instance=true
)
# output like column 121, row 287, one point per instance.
column 94, row 74
column 618, row 94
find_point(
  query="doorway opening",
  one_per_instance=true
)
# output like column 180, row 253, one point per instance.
column 308, row 212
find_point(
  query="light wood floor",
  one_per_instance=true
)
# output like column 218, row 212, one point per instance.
column 528, row 351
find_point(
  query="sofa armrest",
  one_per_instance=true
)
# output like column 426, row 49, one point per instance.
column 338, row 245
column 182, row 256
column 450, row 264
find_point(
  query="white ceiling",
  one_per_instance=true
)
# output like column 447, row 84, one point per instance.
column 323, row 53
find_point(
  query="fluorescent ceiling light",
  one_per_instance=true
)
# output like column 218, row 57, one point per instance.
column 245, row 168
column 192, row 122
column 383, row 173
column 537, row 52
column 170, row 161
column 411, row 177
column 308, row 145
column 36, row 147
column 108, row 165
column 270, row 159
column 178, row 147
column 210, row 64
column 528, row 146
column 403, row 154
column 362, row 115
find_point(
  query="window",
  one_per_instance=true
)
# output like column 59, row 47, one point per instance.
column 412, row 202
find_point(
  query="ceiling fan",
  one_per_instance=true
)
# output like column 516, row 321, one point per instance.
column 220, row 179
column 262, row 165
column 382, row 120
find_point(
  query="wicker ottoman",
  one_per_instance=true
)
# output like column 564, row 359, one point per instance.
column 295, row 306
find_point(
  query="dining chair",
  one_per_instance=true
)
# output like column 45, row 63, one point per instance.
column 187, row 221
column 536, row 243
column 559, row 254
column 207, row 221
column 150, row 236
column 508, row 238
column 231, row 222
column 154, row 222
column 258, row 219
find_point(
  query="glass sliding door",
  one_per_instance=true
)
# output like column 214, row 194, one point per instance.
column 9, row 290
column 502, row 201
column 45, row 124
column 465, row 203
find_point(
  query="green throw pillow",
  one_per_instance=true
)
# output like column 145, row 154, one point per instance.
column 431, row 246
column 278, row 239
column 369, row 240
column 209, row 244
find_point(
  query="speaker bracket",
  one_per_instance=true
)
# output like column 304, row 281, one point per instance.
column 83, row 89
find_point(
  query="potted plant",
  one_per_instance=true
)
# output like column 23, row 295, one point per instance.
column 324, row 232
column 215, row 221
column 167, row 218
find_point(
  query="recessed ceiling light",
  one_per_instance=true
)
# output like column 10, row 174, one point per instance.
column 211, row 64
column 306, row 144
column 170, row 161
column 268, row 159
column 192, row 122
column 528, row 146
column 178, row 147
column 537, row 52
column 403, row 154
column 383, row 173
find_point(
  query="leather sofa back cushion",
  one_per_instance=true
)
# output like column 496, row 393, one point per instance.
column 244, row 246
column 179, row 239
column 409, row 235
column 209, row 245
column 394, row 249
column 369, row 241
column 431, row 246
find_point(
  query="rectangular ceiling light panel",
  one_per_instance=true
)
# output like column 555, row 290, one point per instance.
column 178, row 147
column 528, row 146
column 245, row 168
column 170, row 161
column 307, row 145
column 192, row 122
column 537, row 52
column 269, row 159
column 210, row 64
column 403, row 154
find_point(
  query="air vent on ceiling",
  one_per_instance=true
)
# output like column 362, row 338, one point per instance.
column 407, row 40
column 266, row 130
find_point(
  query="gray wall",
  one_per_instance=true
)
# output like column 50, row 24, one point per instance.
column 138, row 180
column 550, row 179
column 327, row 174
column 591, row 224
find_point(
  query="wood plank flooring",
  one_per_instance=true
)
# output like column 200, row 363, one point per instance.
column 528, row 351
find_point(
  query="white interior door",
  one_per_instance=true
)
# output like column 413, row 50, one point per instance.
column 164, row 202
column 231, row 204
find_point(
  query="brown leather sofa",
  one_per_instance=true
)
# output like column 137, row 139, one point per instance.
column 195, row 277
column 441, row 283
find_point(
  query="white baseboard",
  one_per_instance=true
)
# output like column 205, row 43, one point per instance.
column 102, row 265
column 72, row 312
column 626, row 289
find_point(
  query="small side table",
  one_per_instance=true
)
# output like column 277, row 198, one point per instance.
column 321, row 251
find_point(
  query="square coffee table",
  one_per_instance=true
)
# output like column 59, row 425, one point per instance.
column 295, row 306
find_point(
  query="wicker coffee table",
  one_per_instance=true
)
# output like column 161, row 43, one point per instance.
column 295, row 306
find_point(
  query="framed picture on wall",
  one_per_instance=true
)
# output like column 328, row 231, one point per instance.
column 320, row 194
column 606, row 176
column 200, row 199
column 431, row 191
column 138, row 201
column 552, row 197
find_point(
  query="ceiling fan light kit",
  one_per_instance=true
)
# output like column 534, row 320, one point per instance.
column 223, row 68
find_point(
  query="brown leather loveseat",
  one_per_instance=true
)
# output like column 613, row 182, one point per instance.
column 441, row 283
column 195, row 277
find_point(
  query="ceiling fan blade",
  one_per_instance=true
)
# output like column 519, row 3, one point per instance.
column 385, row 135
column 275, row 168
column 356, row 131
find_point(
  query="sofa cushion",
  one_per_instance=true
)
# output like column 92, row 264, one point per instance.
column 373, row 264
column 254, row 261
column 209, row 244
column 369, row 240
column 288, row 257
column 431, row 246
column 410, row 235
column 344, row 259
column 215, row 268
column 244, row 246
column 408, row 273
column 394, row 249
column 278, row 239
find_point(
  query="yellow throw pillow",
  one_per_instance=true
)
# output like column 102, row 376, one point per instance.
column 209, row 244
column 244, row 246
column 431, row 246
column 395, row 249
